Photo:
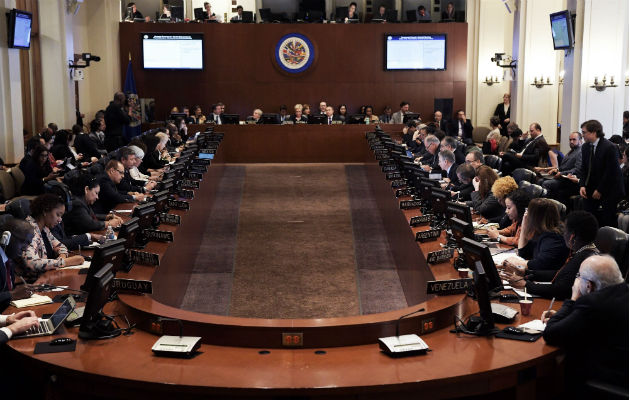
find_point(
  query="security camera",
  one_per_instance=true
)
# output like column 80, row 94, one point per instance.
column 497, row 57
column 87, row 57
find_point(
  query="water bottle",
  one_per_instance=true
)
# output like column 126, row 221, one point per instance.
column 367, row 120
column 109, row 235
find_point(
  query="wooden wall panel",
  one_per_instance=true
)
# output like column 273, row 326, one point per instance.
column 240, row 70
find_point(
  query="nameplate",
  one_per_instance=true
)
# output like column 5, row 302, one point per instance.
column 409, row 204
column 170, row 219
column 189, row 183
column 390, row 176
column 427, row 236
column 132, row 285
column 382, row 157
column 178, row 204
column 386, row 162
column 337, row 122
column 158, row 236
column 194, row 175
column 208, row 151
column 380, row 151
column 421, row 220
column 187, row 194
column 389, row 168
column 398, row 183
column 201, row 161
column 404, row 192
column 199, row 168
column 144, row 258
column 451, row 286
column 376, row 146
column 370, row 135
column 436, row 257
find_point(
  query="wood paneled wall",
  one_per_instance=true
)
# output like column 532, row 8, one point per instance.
column 240, row 68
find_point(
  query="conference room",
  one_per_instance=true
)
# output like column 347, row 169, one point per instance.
column 239, row 248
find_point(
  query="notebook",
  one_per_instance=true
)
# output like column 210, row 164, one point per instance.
column 50, row 325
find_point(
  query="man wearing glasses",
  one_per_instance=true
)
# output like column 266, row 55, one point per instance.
column 593, row 327
column 109, row 195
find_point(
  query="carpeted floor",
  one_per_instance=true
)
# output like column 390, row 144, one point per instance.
column 294, row 241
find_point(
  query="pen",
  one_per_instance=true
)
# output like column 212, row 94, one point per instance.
column 550, row 305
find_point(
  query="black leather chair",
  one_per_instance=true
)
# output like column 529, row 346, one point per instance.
column 614, row 242
column 562, row 209
column 524, row 174
column 492, row 161
column 533, row 190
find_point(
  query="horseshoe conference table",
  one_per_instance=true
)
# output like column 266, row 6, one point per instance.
column 245, row 357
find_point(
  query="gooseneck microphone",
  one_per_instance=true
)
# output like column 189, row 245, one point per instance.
column 403, row 316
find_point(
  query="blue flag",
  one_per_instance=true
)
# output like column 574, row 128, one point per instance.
column 133, row 129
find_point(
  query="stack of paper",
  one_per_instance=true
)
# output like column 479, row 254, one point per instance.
column 86, row 264
column 34, row 300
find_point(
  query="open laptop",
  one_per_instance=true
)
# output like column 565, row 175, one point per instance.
column 49, row 326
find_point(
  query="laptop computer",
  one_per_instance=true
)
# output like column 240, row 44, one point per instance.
column 49, row 326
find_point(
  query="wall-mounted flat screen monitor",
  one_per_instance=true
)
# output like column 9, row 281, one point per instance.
column 561, row 30
column 415, row 52
column 19, row 29
column 172, row 51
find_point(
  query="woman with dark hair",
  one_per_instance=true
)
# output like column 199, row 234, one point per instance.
column 37, row 171
column 62, row 150
column 369, row 114
column 97, row 134
column 81, row 218
column 541, row 245
column 352, row 15
column 482, row 199
column 151, row 161
column 579, row 234
column 45, row 252
column 342, row 112
column 84, row 144
column 515, row 206
column 198, row 117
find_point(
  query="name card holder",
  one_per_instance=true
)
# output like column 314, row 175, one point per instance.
column 145, row 258
column 158, row 236
column 439, row 256
column 398, row 183
column 187, row 194
column 132, row 285
column 189, row 183
column 421, row 220
column 390, row 176
column 389, row 168
column 195, row 175
column 382, row 157
column 198, row 168
column 386, row 162
column 201, row 161
column 403, row 192
column 178, row 204
column 428, row 236
column 448, row 287
column 410, row 204
column 170, row 219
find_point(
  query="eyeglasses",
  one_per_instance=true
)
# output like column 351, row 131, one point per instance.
column 578, row 276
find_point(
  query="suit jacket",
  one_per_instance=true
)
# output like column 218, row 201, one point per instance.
column 212, row 117
column 460, row 157
column 488, row 208
column 572, row 163
column 81, row 218
column 464, row 189
column 33, row 174
column 594, row 332
column 303, row 119
column 128, row 184
column 606, row 175
column 109, row 196
column 386, row 119
column 443, row 125
column 335, row 118
column 431, row 160
column 71, row 242
column 535, row 150
column 452, row 175
column 500, row 112
column 5, row 294
column 397, row 117
column 547, row 251
column 467, row 129
column 86, row 146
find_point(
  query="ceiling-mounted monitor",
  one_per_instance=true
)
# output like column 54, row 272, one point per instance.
column 562, row 30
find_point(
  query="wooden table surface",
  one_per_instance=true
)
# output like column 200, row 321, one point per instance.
column 230, row 365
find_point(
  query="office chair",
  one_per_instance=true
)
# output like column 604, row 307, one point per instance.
column 524, row 174
column 614, row 242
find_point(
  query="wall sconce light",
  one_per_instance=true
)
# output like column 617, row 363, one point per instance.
column 627, row 80
column 600, row 86
column 539, row 83
column 561, row 77
column 491, row 80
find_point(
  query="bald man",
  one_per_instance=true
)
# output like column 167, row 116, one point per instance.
column 593, row 326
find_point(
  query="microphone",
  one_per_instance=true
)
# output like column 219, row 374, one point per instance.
column 403, row 316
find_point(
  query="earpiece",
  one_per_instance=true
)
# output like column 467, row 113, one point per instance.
column 6, row 238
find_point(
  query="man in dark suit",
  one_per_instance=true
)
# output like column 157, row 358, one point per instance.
column 216, row 116
column 503, row 112
column 440, row 123
column 601, row 183
column 535, row 150
column 446, row 161
column 593, row 327
column 109, row 195
column 16, row 323
column 451, row 144
column 128, row 184
column 20, row 235
column 331, row 118
column 430, row 159
column 461, row 128
column 117, row 116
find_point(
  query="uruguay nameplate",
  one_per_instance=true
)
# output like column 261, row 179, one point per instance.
column 390, row 176
column 132, row 285
column 158, row 236
column 409, row 204
column 437, row 257
column 189, row 183
column 427, row 236
column 398, row 183
column 403, row 192
column 451, row 286
column 421, row 220
column 170, row 219
column 178, row 204
column 144, row 258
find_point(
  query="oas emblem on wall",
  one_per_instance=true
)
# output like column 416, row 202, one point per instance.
column 294, row 53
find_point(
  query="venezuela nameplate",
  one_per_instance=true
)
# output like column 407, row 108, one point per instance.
column 427, row 236
column 452, row 286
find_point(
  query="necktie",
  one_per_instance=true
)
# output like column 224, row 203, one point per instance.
column 9, row 277
column 590, row 162
column 329, row 121
column 216, row 119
